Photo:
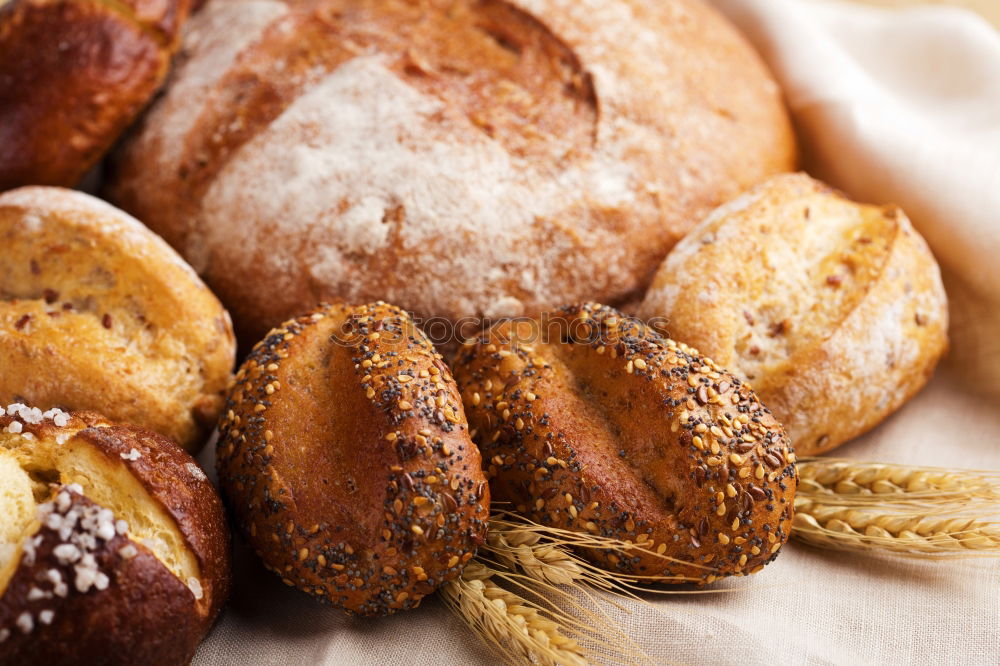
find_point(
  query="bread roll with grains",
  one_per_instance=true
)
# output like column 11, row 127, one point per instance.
column 98, row 313
column 833, row 310
column 455, row 157
column 114, row 547
column 592, row 422
column 346, row 460
column 73, row 75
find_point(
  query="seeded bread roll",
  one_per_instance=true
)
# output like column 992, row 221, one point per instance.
column 114, row 547
column 455, row 157
column 592, row 422
column 97, row 313
column 833, row 310
column 73, row 76
column 345, row 457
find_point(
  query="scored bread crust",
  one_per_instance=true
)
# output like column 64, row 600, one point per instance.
column 98, row 313
column 346, row 460
column 834, row 311
column 469, row 158
column 592, row 422
column 73, row 76
column 146, row 613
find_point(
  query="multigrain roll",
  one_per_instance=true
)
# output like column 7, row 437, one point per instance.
column 455, row 157
column 97, row 313
column 346, row 459
column 833, row 310
column 592, row 422
column 114, row 547
column 73, row 76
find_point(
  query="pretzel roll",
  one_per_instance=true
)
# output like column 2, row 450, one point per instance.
column 834, row 310
column 455, row 157
column 97, row 313
column 73, row 76
column 114, row 547
column 592, row 422
column 345, row 456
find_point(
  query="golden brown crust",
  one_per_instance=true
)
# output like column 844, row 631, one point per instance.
column 592, row 422
column 73, row 75
column 346, row 459
column 86, row 588
column 98, row 313
column 833, row 310
column 484, row 154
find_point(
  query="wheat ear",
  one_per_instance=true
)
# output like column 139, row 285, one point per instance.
column 511, row 623
column 847, row 528
column 855, row 482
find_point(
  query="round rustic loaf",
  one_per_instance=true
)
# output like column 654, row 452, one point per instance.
column 97, row 313
column 346, row 459
column 592, row 422
column 455, row 157
column 73, row 75
column 114, row 547
column 833, row 310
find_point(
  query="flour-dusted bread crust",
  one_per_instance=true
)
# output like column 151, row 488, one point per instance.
column 345, row 457
column 457, row 158
column 593, row 422
column 98, row 313
column 834, row 311
column 73, row 75
column 114, row 547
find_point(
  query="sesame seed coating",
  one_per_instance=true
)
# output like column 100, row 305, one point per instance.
column 632, row 436
column 354, row 478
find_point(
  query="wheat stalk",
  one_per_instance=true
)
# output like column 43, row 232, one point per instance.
column 511, row 623
column 847, row 528
column 853, row 482
column 524, row 550
column 517, row 529
column 902, row 509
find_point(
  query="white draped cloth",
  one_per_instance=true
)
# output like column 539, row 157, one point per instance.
column 890, row 106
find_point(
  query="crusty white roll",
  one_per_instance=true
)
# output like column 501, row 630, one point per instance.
column 834, row 311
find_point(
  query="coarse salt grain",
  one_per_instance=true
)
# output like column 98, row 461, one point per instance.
column 195, row 586
column 66, row 553
column 25, row 622
column 45, row 617
column 128, row 551
column 132, row 455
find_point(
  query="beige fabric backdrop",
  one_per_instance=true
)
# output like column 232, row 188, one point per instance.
column 900, row 107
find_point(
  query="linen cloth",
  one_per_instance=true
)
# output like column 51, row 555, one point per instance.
column 899, row 107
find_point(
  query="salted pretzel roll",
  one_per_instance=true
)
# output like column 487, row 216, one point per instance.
column 346, row 459
column 592, row 422
column 114, row 547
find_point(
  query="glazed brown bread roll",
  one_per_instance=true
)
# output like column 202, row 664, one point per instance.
column 833, row 310
column 114, row 547
column 73, row 76
column 345, row 457
column 455, row 157
column 97, row 313
column 592, row 422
